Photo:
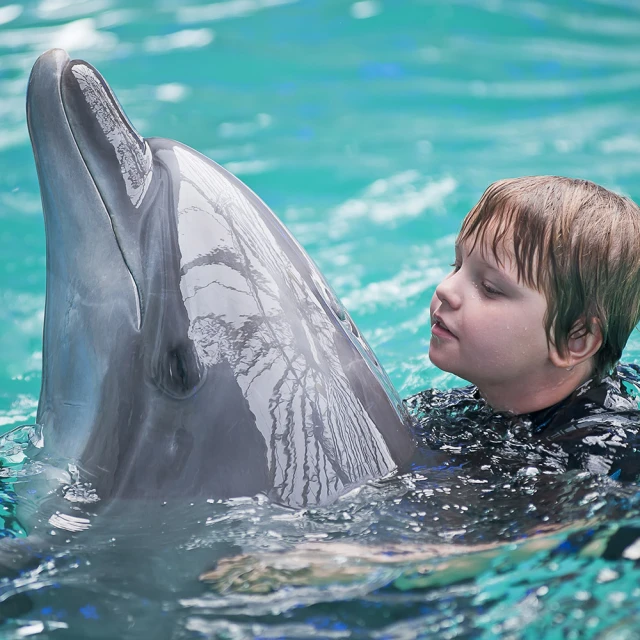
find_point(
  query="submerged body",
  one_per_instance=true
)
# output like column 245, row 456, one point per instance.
column 191, row 347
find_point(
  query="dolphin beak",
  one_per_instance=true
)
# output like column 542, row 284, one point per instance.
column 44, row 104
column 47, row 121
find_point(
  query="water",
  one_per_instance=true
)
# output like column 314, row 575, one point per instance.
column 371, row 128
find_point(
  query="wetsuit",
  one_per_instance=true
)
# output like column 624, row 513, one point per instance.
column 596, row 428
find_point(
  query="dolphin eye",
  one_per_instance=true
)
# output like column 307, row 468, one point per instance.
column 179, row 373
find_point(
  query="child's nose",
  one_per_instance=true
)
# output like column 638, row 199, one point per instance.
column 447, row 292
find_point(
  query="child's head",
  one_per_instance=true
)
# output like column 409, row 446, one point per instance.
column 573, row 250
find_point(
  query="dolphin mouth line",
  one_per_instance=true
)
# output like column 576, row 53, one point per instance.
column 134, row 283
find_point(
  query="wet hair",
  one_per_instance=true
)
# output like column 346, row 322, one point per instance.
column 574, row 241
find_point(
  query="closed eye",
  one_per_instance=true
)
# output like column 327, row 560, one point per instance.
column 490, row 290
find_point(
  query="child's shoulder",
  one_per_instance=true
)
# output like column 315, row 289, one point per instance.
column 609, row 401
column 599, row 430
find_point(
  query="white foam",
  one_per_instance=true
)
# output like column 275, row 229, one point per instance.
column 172, row 92
column 247, row 167
column 528, row 89
column 244, row 129
column 395, row 291
column 23, row 409
column 82, row 34
column 79, row 34
column 225, row 10
column 32, row 629
column 10, row 13
column 64, row 9
column 115, row 18
column 618, row 27
column 365, row 9
column 20, row 200
column 13, row 138
column 390, row 200
column 185, row 39
column 621, row 144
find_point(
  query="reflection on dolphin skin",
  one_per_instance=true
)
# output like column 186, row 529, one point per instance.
column 191, row 347
column 277, row 337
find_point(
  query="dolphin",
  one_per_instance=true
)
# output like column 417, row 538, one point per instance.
column 191, row 348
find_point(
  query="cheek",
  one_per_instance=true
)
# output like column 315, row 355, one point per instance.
column 529, row 327
column 491, row 332
column 509, row 333
column 487, row 341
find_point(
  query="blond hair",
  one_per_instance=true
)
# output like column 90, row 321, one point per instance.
column 574, row 241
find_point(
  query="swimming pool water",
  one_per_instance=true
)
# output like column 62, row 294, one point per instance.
column 370, row 128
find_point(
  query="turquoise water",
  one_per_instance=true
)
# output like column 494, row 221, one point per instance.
column 371, row 128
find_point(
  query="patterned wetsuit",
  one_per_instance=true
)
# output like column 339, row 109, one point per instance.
column 597, row 428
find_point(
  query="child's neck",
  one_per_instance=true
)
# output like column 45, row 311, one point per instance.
column 528, row 396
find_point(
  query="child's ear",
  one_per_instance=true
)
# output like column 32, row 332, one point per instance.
column 582, row 345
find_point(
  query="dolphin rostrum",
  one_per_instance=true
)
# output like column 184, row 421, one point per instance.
column 191, row 347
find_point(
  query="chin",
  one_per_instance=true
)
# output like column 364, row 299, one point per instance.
column 443, row 365
column 441, row 362
column 434, row 359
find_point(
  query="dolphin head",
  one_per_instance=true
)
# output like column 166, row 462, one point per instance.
column 191, row 347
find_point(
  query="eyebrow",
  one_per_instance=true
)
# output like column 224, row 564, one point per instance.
column 496, row 269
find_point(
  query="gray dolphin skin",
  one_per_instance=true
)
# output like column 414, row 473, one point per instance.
column 191, row 347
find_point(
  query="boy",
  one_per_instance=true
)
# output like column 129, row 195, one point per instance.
column 544, row 293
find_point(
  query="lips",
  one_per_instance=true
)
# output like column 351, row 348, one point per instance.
column 439, row 328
